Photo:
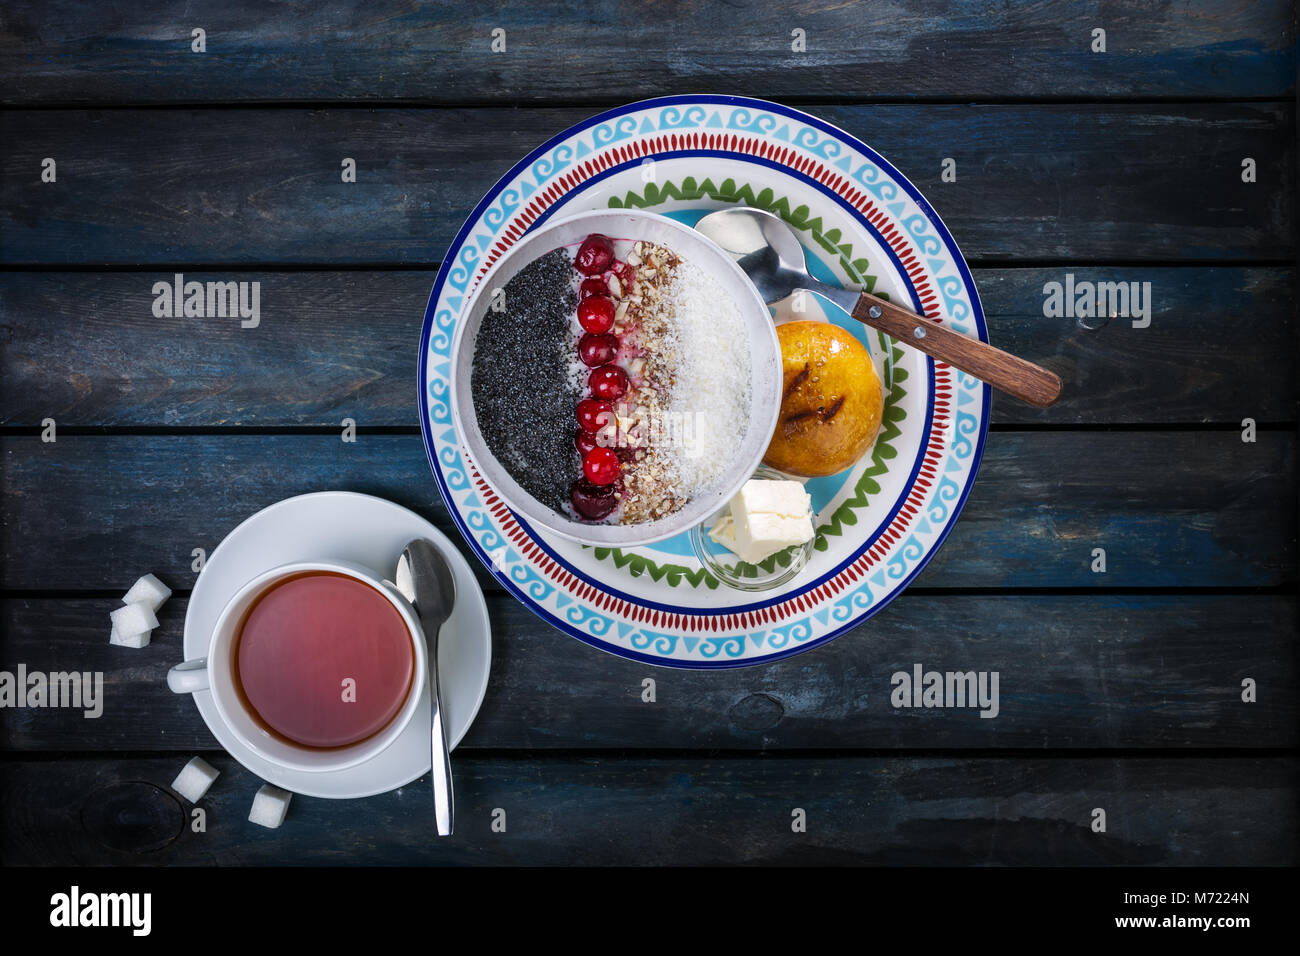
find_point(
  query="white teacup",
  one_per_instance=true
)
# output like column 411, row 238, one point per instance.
column 215, row 673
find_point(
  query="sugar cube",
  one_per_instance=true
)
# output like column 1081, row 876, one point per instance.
column 269, row 806
column 147, row 590
column 194, row 779
column 134, row 619
column 129, row 640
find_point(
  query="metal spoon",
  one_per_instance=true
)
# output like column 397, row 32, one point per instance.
column 426, row 580
column 771, row 255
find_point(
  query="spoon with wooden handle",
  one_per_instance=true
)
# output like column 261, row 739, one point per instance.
column 770, row 254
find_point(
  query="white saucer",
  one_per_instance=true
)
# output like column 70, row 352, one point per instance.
column 372, row 532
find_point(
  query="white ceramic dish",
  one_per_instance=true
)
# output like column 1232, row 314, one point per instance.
column 765, row 373
column 370, row 532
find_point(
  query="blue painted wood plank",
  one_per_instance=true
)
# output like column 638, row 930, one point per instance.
column 604, row 51
column 1074, row 671
column 1172, row 509
column 678, row 810
column 1054, row 182
column 86, row 349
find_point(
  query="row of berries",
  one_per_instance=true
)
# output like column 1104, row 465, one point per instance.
column 593, row 495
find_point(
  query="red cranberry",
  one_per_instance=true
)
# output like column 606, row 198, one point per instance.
column 597, row 348
column 594, row 255
column 593, row 286
column 592, row 502
column 584, row 442
column 596, row 313
column 608, row 381
column 594, row 414
column 601, row 466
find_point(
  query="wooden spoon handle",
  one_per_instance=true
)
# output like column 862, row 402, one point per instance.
column 1026, row 381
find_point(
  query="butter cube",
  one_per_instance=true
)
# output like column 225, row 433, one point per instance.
column 724, row 532
column 761, row 496
column 767, row 534
column 764, row 518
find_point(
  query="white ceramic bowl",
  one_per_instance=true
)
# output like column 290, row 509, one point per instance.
column 765, row 372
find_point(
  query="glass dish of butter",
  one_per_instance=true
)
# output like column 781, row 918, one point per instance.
column 762, row 537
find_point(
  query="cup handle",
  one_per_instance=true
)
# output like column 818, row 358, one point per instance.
column 188, row 677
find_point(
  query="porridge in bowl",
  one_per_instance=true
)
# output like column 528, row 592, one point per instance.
column 611, row 378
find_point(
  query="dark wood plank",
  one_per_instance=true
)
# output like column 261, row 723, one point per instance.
column 1171, row 509
column 66, row 52
column 680, row 810
column 1220, row 347
column 263, row 186
column 1074, row 672
column 351, row 339
column 86, row 349
column 1165, row 507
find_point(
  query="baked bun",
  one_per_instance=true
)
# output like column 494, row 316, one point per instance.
column 831, row 404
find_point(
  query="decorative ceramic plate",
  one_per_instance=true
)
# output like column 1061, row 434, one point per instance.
column 863, row 224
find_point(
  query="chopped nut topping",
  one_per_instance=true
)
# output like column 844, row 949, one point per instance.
column 649, row 487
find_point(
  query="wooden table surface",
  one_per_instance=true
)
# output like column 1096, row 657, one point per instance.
column 1121, row 690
